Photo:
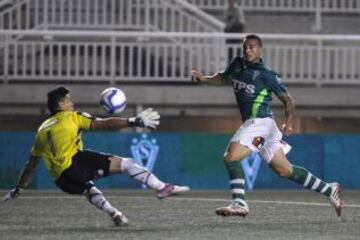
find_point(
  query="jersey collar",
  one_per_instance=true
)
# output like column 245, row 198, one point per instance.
column 259, row 64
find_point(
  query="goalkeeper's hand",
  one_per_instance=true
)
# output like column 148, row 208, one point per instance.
column 147, row 118
column 12, row 194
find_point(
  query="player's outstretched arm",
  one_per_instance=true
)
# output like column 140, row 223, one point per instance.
column 287, row 100
column 197, row 77
column 25, row 176
column 216, row 79
column 146, row 119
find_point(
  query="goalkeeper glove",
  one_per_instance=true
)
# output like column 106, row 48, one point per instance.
column 12, row 194
column 147, row 118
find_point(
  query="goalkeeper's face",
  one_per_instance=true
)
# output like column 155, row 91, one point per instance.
column 252, row 50
column 66, row 104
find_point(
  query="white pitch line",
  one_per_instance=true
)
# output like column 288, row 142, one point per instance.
column 268, row 201
column 200, row 199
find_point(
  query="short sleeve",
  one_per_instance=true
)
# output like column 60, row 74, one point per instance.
column 275, row 84
column 83, row 120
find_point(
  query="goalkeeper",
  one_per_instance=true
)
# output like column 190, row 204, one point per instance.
column 58, row 141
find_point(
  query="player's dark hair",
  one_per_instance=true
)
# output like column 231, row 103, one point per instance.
column 54, row 97
column 254, row 37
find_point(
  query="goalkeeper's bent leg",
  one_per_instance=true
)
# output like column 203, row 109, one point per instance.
column 96, row 198
column 141, row 174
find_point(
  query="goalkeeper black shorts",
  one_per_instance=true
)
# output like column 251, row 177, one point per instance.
column 86, row 165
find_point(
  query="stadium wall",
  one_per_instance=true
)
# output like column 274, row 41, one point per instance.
column 193, row 159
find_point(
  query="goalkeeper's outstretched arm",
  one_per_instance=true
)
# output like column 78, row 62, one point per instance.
column 26, row 174
column 108, row 124
column 28, row 171
column 146, row 119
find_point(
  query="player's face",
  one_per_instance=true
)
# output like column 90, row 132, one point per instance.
column 66, row 104
column 252, row 51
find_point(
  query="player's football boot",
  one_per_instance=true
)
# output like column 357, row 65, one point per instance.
column 234, row 209
column 169, row 190
column 336, row 198
column 119, row 219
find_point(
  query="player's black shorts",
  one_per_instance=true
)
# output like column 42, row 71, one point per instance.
column 86, row 166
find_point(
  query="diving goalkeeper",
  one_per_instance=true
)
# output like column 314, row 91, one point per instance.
column 58, row 142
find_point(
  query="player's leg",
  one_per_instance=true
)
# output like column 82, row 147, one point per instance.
column 248, row 138
column 74, row 181
column 233, row 156
column 300, row 175
column 142, row 174
column 97, row 198
column 137, row 172
column 232, row 159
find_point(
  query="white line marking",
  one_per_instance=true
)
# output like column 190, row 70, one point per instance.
column 198, row 199
column 268, row 201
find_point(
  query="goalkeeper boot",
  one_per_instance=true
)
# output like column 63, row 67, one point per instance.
column 336, row 198
column 170, row 190
column 119, row 219
column 234, row 209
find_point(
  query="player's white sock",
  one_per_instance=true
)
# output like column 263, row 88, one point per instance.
column 96, row 198
column 141, row 174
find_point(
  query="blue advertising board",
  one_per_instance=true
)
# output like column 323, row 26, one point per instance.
column 193, row 159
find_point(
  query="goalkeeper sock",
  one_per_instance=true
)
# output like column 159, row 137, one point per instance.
column 96, row 198
column 141, row 174
column 237, row 182
column 304, row 177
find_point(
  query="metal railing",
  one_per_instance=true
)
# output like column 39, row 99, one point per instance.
column 5, row 3
column 158, row 15
column 316, row 7
column 339, row 6
column 150, row 56
column 17, row 16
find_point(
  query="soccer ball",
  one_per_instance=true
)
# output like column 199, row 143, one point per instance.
column 113, row 100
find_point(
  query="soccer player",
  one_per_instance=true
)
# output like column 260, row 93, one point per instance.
column 253, row 83
column 59, row 142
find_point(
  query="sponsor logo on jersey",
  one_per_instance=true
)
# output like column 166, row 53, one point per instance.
column 255, row 74
column 239, row 85
column 145, row 152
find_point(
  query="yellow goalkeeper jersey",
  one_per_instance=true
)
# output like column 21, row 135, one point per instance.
column 59, row 138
